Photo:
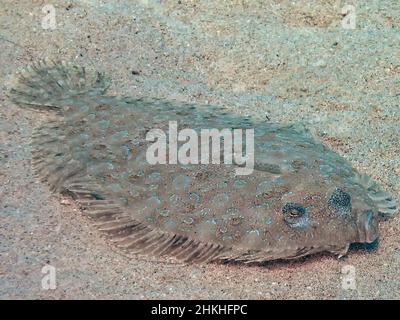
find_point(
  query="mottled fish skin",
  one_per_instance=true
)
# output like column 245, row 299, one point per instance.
column 302, row 197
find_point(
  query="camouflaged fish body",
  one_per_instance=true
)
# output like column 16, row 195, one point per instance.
column 302, row 198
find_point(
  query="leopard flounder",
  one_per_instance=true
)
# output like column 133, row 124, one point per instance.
column 301, row 198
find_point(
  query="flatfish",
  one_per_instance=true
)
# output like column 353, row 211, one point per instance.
column 299, row 197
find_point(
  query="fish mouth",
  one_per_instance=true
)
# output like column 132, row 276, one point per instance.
column 367, row 227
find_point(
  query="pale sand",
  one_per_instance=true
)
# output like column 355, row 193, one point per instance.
column 293, row 62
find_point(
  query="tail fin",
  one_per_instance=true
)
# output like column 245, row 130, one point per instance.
column 53, row 84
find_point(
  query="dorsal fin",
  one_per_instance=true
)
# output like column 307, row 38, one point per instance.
column 384, row 201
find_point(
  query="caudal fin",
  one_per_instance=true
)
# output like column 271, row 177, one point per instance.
column 55, row 84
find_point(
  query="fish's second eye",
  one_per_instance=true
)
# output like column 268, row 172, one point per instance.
column 294, row 214
column 340, row 202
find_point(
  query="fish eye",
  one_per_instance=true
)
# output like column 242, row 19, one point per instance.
column 340, row 202
column 294, row 214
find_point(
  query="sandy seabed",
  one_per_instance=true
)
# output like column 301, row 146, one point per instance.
column 290, row 60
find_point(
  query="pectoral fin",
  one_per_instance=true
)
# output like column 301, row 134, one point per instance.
column 340, row 251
